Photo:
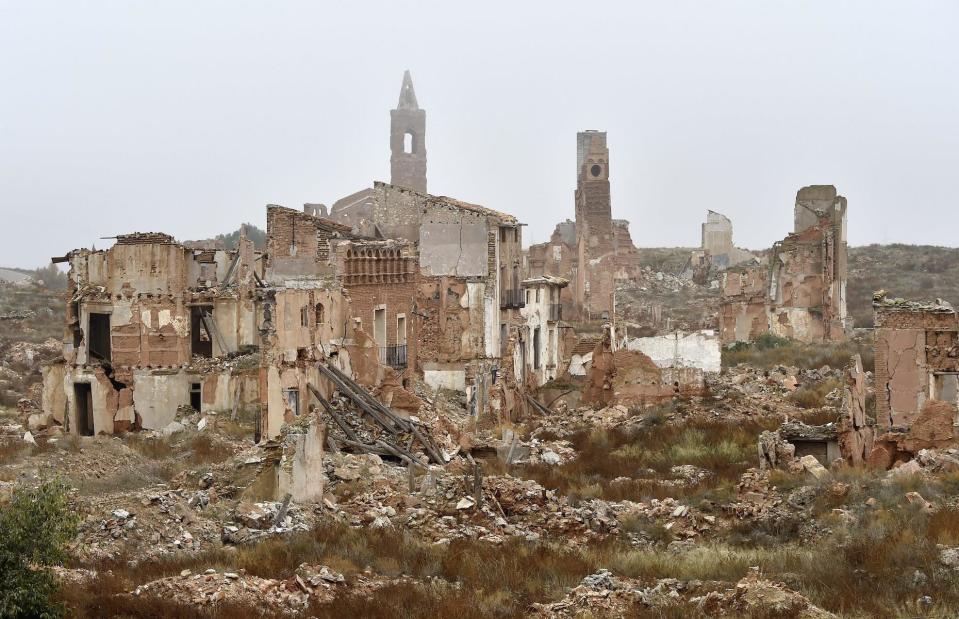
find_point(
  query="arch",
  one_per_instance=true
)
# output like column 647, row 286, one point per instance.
column 409, row 143
column 320, row 312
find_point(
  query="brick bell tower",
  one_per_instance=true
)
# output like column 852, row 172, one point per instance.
column 595, row 244
column 408, row 140
column 593, row 206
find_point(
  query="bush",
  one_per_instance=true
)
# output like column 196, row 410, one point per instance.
column 36, row 526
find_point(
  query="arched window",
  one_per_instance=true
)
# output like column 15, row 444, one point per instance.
column 408, row 143
column 320, row 314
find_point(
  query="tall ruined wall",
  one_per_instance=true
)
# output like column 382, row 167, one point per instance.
column 298, row 244
column 717, row 234
column 130, row 268
column 804, row 295
column 912, row 344
column 557, row 258
column 382, row 275
column 604, row 249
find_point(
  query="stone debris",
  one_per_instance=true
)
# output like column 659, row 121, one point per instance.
column 603, row 594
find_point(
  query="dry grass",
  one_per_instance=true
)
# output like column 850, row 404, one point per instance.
column 769, row 351
column 726, row 450
column 866, row 570
column 814, row 395
column 205, row 449
column 12, row 451
column 494, row 581
column 153, row 447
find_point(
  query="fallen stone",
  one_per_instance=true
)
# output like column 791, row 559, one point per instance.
column 550, row 457
column 812, row 466
column 172, row 428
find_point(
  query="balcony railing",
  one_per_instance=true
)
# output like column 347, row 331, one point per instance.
column 555, row 311
column 393, row 356
column 513, row 299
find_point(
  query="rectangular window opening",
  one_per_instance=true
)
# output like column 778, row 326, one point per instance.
column 99, row 340
column 201, row 342
column 292, row 397
column 536, row 348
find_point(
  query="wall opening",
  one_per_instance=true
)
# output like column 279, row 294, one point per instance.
column 293, row 401
column 408, row 143
column 304, row 316
column 75, row 319
column 536, row 348
column 400, row 330
column 196, row 396
column 83, row 398
column 379, row 326
column 201, row 342
column 320, row 312
column 945, row 387
column 99, row 340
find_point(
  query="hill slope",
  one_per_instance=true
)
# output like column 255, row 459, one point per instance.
column 908, row 271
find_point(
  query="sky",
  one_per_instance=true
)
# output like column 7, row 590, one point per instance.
column 189, row 117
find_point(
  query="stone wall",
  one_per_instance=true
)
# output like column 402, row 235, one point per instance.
column 801, row 292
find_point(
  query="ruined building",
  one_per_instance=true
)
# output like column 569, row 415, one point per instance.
column 917, row 377
column 716, row 250
column 142, row 320
column 800, row 292
column 411, row 285
column 717, row 234
column 595, row 250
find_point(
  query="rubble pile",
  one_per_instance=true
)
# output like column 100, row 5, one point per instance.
column 310, row 583
column 151, row 523
column 603, row 594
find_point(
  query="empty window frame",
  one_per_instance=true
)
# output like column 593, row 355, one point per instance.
column 292, row 397
column 201, row 340
column 401, row 329
column 99, row 340
column 379, row 326
column 536, row 348
column 945, row 387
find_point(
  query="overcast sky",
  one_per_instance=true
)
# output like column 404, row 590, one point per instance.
column 189, row 117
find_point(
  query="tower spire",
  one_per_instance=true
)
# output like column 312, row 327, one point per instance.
column 408, row 140
column 407, row 94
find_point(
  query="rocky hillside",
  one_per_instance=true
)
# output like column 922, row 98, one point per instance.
column 908, row 271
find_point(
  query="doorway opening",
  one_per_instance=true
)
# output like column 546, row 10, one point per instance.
column 196, row 396
column 83, row 398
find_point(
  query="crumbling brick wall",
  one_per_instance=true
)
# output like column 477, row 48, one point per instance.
column 298, row 244
column 913, row 342
column 801, row 292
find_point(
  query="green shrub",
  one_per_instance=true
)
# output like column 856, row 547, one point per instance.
column 34, row 530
